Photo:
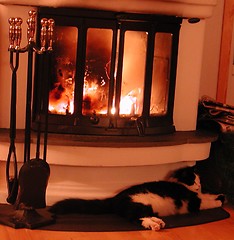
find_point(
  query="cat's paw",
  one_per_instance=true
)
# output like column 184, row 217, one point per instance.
column 152, row 223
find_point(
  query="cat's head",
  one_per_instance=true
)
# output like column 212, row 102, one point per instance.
column 188, row 178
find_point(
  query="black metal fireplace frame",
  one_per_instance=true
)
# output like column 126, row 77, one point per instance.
column 77, row 123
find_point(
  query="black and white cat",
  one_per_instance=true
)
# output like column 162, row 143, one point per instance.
column 147, row 202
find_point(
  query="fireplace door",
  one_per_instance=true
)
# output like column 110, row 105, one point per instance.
column 109, row 73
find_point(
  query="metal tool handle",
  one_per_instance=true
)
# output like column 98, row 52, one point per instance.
column 18, row 32
column 11, row 33
column 51, row 25
column 31, row 26
column 43, row 39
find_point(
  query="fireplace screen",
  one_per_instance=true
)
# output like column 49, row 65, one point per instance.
column 110, row 73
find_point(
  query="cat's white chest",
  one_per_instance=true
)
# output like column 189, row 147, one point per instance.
column 163, row 206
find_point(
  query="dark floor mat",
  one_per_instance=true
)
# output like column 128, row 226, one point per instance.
column 110, row 222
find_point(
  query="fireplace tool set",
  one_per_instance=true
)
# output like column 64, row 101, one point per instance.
column 26, row 190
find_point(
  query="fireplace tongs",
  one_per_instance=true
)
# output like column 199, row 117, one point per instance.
column 12, row 181
column 15, row 34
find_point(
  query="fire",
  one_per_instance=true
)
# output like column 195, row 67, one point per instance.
column 61, row 100
column 90, row 90
column 61, row 96
column 130, row 104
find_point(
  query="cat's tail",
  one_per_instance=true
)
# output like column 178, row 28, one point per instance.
column 75, row 205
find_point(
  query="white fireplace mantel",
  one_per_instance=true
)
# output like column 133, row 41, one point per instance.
column 182, row 8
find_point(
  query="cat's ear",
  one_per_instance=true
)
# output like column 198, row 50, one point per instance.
column 185, row 175
column 181, row 174
column 186, row 172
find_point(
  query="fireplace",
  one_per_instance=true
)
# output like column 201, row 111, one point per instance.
column 99, row 166
column 110, row 73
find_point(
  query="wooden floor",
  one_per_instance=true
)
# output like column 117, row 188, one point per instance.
column 220, row 230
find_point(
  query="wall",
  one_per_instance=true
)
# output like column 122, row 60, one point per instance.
column 5, row 72
column 230, row 95
column 212, row 41
column 230, row 83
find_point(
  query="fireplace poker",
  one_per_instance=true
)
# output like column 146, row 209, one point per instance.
column 31, row 43
column 46, row 40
